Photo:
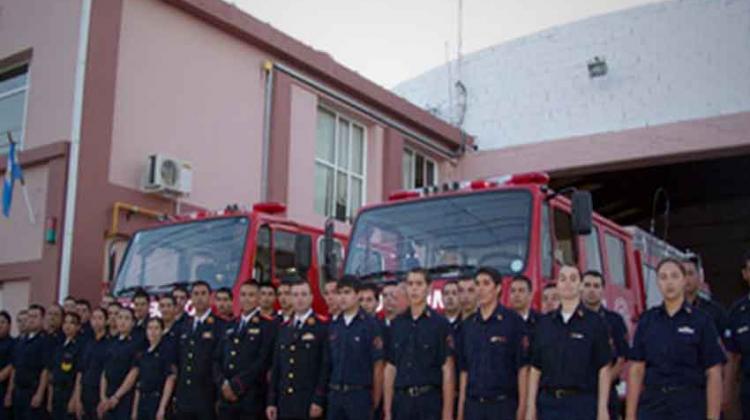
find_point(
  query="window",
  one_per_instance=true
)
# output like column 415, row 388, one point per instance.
column 262, row 267
column 418, row 170
column 547, row 259
column 14, row 83
column 565, row 249
column 593, row 251
column 339, row 166
column 615, row 259
column 338, row 249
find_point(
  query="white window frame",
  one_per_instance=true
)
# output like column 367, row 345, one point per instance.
column 4, row 145
column 349, row 172
column 411, row 182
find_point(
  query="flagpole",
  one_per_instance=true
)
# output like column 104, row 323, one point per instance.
column 25, row 191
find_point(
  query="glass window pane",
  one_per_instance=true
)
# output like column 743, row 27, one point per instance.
column 13, row 79
column 11, row 117
column 430, row 173
column 326, row 130
column 419, row 171
column 356, row 196
column 343, row 144
column 615, row 259
column 565, row 249
column 358, row 152
column 546, row 243
column 407, row 172
column 341, row 197
column 593, row 252
column 323, row 189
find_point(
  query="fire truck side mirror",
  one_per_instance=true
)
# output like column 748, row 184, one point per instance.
column 583, row 210
column 303, row 253
column 329, row 253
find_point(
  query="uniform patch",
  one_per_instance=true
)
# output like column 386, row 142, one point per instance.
column 230, row 331
column 743, row 329
column 577, row 336
column 498, row 339
column 66, row 366
column 308, row 337
column 685, row 330
column 207, row 335
column 253, row 331
column 356, row 338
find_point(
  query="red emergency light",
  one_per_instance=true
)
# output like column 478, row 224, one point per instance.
column 270, row 207
column 403, row 195
column 482, row 184
column 529, row 178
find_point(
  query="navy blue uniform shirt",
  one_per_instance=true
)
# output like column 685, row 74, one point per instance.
column 355, row 348
column 6, row 356
column 618, row 332
column 569, row 355
column 418, row 348
column 92, row 363
column 677, row 349
column 154, row 367
column 738, row 336
column 65, row 363
column 30, row 357
column 492, row 351
column 122, row 354
column 718, row 314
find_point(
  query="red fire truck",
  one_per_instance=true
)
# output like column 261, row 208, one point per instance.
column 225, row 248
column 516, row 224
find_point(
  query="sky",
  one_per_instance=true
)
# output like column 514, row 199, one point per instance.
column 390, row 41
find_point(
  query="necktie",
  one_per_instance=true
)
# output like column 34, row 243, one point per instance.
column 196, row 325
column 242, row 324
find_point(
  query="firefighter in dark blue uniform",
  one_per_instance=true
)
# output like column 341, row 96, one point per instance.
column 676, row 359
column 356, row 345
column 119, row 371
column 520, row 301
column 569, row 375
column 593, row 292
column 83, row 309
column 6, row 354
column 738, row 344
column 156, row 375
column 64, row 367
column 195, row 395
column 29, row 380
column 494, row 356
column 53, row 320
column 171, row 333
column 419, row 373
column 298, row 376
column 92, row 364
column 141, row 306
column 694, row 281
column 242, row 359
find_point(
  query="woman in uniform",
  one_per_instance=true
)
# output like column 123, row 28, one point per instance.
column 64, row 365
column 120, row 373
column 676, row 359
column 569, row 375
column 92, row 364
column 157, row 374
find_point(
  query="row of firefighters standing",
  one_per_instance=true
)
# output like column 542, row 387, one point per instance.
column 491, row 363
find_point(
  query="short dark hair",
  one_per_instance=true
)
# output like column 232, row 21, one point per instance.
column 550, row 285
column 55, row 305
column 420, row 271
column 348, row 280
column 69, row 297
column 84, row 302
column 267, row 286
column 179, row 288
column 199, row 283
column 157, row 320
column 495, row 275
column 299, row 282
column 6, row 315
column 226, row 290
column 129, row 309
column 140, row 293
column 451, row 282
column 365, row 286
column 250, row 282
column 670, row 260
column 523, row 279
column 75, row 316
column 169, row 297
column 102, row 310
column 595, row 273
column 115, row 304
column 38, row 307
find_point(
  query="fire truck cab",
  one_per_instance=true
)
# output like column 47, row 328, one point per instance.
column 515, row 224
column 226, row 248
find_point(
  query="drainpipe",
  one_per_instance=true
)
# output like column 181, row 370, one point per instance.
column 267, row 109
column 75, row 142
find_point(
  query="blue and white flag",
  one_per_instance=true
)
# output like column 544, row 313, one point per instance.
column 12, row 173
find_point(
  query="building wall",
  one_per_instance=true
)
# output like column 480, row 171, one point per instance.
column 668, row 62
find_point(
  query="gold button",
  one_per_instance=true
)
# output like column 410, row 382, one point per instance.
column 291, row 361
column 233, row 353
column 236, row 341
column 231, row 366
column 292, row 347
column 290, row 390
column 291, row 375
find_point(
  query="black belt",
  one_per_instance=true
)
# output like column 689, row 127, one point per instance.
column 416, row 391
column 490, row 399
column 669, row 389
column 348, row 388
column 562, row 392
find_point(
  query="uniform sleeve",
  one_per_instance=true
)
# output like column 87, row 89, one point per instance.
column 536, row 356
column 638, row 351
column 602, row 351
column 377, row 342
column 710, row 347
column 620, row 336
column 462, row 357
column 730, row 342
column 245, row 378
column 723, row 325
column 446, row 346
column 321, row 387
column 273, row 380
column 390, row 352
column 524, row 348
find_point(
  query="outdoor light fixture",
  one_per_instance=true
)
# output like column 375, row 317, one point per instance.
column 597, row 67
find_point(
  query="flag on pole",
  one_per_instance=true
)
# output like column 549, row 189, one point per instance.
column 12, row 173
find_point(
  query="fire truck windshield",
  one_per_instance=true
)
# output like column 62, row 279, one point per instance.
column 209, row 250
column 444, row 234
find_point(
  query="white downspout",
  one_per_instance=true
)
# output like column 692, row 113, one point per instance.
column 75, row 142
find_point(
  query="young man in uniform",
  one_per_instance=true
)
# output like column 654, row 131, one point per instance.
column 331, row 296
column 195, row 392
column 285, row 298
column 356, row 348
column 223, row 301
column 369, row 298
column 83, row 309
column 520, row 300
column 693, row 281
column 738, row 345
column 451, row 305
column 299, row 377
column 141, row 302
column 243, row 357
column 53, row 320
column 494, row 356
column 180, row 295
column 29, row 380
column 550, row 298
column 419, row 372
column 467, row 296
column 267, row 299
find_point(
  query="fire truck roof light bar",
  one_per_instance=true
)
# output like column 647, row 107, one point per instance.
column 539, row 178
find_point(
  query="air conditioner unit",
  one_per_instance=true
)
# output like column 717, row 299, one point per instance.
column 168, row 176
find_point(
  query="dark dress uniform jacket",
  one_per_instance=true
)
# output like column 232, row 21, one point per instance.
column 738, row 342
column 299, row 376
column 195, row 391
column 243, row 357
column 30, row 357
column 6, row 355
column 64, row 365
